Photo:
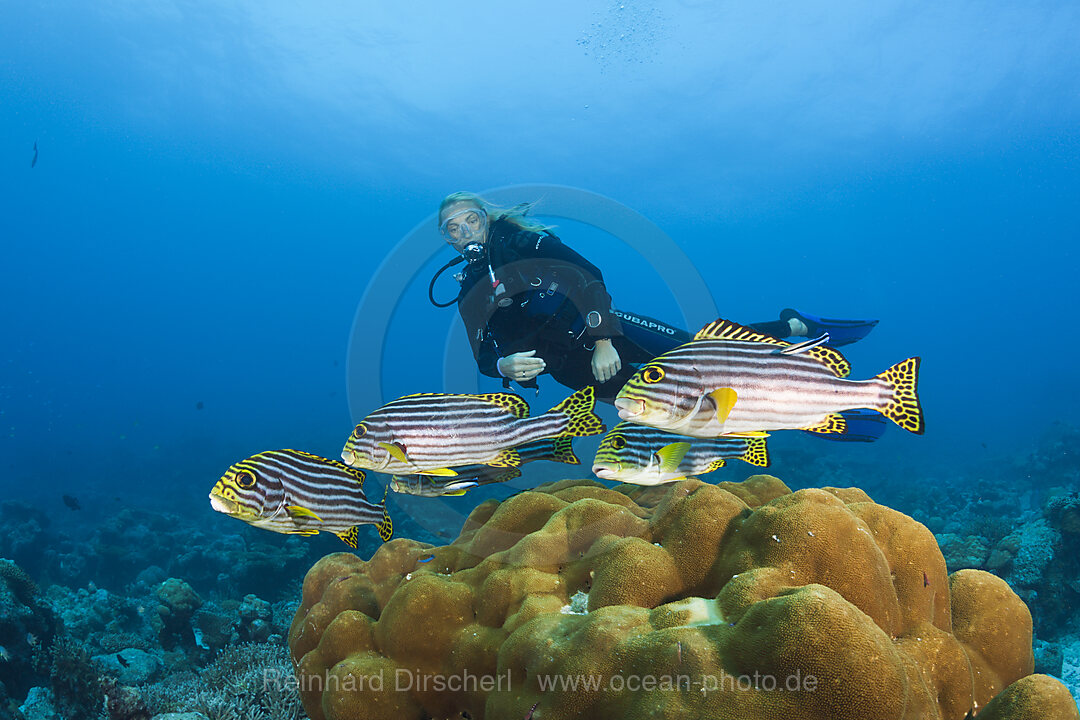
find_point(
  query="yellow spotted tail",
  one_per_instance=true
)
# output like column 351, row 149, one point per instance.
column 578, row 408
column 904, row 408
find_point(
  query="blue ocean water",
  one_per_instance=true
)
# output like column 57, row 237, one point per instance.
column 215, row 185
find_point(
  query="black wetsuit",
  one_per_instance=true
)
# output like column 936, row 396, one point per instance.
column 546, row 298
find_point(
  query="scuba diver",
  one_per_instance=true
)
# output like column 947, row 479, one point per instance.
column 531, row 305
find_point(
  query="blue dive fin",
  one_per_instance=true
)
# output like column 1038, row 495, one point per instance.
column 862, row 426
column 841, row 332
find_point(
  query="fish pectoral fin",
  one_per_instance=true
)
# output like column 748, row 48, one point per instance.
column 725, row 399
column 396, row 450
column 299, row 511
column 669, row 456
column 833, row 424
column 439, row 472
column 349, row 536
column 507, row 458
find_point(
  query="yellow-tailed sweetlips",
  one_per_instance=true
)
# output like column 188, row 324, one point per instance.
column 430, row 433
column 297, row 493
column 643, row 455
column 735, row 380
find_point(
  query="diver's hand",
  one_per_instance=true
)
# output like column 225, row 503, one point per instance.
column 606, row 362
column 522, row 366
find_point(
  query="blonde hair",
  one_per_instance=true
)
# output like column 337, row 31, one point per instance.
column 515, row 215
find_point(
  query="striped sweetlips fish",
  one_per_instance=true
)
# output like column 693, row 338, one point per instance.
column 735, row 380
column 558, row 449
column 430, row 433
column 646, row 456
column 297, row 493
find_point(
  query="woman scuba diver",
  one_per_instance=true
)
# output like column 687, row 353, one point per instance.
column 531, row 305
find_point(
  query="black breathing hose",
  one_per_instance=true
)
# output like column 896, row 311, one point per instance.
column 440, row 271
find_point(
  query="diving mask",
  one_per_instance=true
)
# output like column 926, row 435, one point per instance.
column 464, row 225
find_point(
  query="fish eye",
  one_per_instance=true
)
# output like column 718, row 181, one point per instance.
column 245, row 479
column 359, row 431
column 653, row 374
column 618, row 442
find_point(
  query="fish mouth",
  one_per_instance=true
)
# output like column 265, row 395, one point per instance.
column 224, row 505
column 348, row 457
column 629, row 408
column 605, row 472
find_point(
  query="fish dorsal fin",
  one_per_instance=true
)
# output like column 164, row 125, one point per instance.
column 832, row 359
column 725, row 399
column 299, row 511
column 721, row 329
column 510, row 402
column 349, row 536
column 669, row 456
column 355, row 473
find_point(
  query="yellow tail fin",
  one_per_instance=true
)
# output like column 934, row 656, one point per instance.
column 904, row 408
column 578, row 408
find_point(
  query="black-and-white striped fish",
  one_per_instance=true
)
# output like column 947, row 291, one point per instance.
column 428, row 434
column 646, row 456
column 297, row 493
column 555, row 450
column 735, row 380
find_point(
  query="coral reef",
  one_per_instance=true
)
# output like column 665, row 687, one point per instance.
column 728, row 600
column 249, row 680
column 135, row 550
column 26, row 622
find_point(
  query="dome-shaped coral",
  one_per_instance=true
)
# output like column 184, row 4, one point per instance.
column 735, row 600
